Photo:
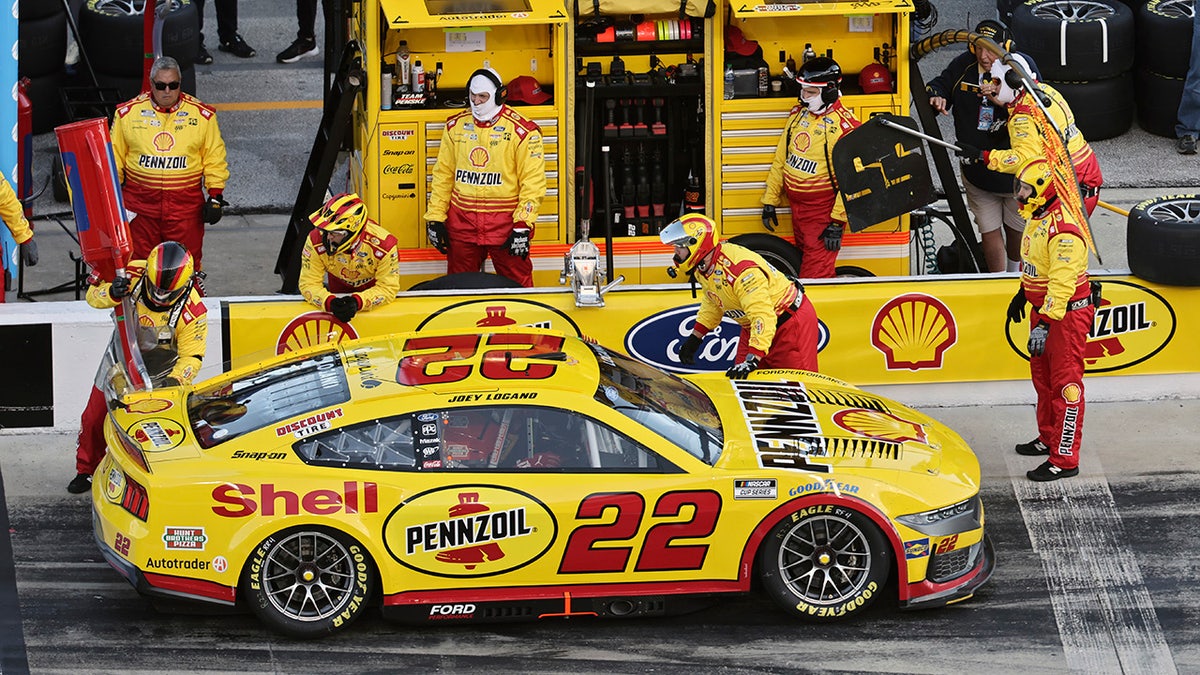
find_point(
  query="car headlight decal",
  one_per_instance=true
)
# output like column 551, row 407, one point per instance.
column 960, row 517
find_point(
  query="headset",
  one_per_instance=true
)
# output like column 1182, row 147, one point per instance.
column 994, row 30
column 501, row 88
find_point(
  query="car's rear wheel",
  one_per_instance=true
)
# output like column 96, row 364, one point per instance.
column 308, row 581
column 825, row 563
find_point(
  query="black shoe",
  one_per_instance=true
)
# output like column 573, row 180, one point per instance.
column 203, row 57
column 1033, row 448
column 238, row 47
column 80, row 484
column 1186, row 145
column 299, row 49
column 1048, row 471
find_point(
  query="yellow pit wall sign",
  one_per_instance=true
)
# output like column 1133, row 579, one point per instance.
column 896, row 331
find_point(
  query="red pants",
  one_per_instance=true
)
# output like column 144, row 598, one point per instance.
column 468, row 257
column 91, row 434
column 165, row 215
column 810, row 217
column 1058, row 380
column 795, row 343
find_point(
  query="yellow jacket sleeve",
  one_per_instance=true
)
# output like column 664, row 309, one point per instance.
column 216, row 169
column 442, row 182
column 531, row 161
column 1068, row 261
column 1023, row 137
column 13, row 213
column 775, row 174
column 312, row 275
column 753, row 293
column 119, row 147
column 191, row 339
column 387, row 282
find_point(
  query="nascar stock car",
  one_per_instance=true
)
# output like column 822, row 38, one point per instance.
column 518, row 474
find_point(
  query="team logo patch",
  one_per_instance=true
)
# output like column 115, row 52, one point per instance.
column 164, row 141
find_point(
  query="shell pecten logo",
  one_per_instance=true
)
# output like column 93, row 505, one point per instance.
column 469, row 531
column 913, row 331
column 311, row 328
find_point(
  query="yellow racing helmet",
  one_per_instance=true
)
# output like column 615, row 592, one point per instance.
column 168, row 276
column 342, row 213
column 695, row 231
column 1035, row 174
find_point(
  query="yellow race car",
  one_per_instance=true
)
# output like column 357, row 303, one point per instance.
column 521, row 474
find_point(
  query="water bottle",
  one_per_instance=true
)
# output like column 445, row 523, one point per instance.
column 728, row 81
column 403, row 67
column 418, row 77
column 386, row 85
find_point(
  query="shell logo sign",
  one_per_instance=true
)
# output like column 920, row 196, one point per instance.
column 467, row 531
column 312, row 328
column 881, row 425
column 1132, row 324
column 497, row 313
column 149, row 406
column 914, row 331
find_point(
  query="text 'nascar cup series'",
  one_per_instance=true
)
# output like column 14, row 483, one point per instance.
column 454, row 476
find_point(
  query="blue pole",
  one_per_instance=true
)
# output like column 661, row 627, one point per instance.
column 8, row 123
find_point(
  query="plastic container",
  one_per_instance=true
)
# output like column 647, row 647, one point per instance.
column 418, row 77
column 403, row 67
column 386, row 93
column 728, row 81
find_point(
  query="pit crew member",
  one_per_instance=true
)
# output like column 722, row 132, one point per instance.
column 348, row 253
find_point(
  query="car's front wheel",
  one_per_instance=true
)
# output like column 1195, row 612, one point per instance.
column 825, row 563
column 308, row 582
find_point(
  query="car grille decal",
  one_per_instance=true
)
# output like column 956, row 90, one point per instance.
column 869, row 448
column 846, row 399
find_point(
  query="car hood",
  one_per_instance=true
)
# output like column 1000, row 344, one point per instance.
column 794, row 419
column 157, row 422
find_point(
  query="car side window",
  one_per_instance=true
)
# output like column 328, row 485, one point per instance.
column 530, row 438
column 385, row 445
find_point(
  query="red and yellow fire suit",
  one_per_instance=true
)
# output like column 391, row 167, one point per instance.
column 172, row 343
column 165, row 159
column 802, row 170
column 1026, row 142
column 489, row 178
column 370, row 269
column 779, row 323
column 13, row 213
column 1054, row 276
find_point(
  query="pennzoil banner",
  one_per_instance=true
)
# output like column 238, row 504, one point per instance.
column 897, row 331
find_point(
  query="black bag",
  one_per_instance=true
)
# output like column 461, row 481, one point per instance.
column 697, row 8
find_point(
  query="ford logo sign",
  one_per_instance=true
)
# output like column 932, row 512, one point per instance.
column 657, row 339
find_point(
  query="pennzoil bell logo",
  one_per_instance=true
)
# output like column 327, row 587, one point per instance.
column 157, row 433
column 913, row 331
column 1132, row 324
column 469, row 531
column 497, row 313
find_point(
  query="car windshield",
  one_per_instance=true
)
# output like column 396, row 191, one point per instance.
column 672, row 407
column 226, row 410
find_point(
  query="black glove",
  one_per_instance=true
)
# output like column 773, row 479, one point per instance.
column 518, row 242
column 343, row 308
column 119, row 288
column 171, row 382
column 770, row 220
column 969, row 153
column 742, row 370
column 435, row 232
column 687, row 351
column 1016, row 307
column 214, row 209
column 29, row 254
column 1037, row 338
column 1096, row 295
column 832, row 237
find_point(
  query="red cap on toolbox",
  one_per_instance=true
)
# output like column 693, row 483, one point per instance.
column 875, row 79
column 525, row 89
column 737, row 43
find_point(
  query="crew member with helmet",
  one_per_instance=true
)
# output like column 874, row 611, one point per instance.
column 488, row 184
column 779, row 322
column 802, row 169
column 172, row 333
column 348, row 253
column 168, row 152
column 1006, row 88
column 981, row 124
column 1054, row 280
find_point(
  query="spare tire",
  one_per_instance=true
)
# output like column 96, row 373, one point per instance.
column 1075, row 40
column 32, row 10
column 465, row 281
column 1102, row 108
column 1158, row 99
column 1163, row 240
column 779, row 252
column 41, row 45
column 1164, row 36
column 112, row 34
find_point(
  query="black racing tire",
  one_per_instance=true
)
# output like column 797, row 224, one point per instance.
column 1102, row 108
column 1163, row 240
column 131, row 85
column 1004, row 9
column 32, row 10
column 1097, row 42
column 782, row 255
column 1158, row 99
column 41, row 45
column 825, row 563
column 112, row 34
column 1164, row 36
column 46, row 102
column 465, row 281
column 851, row 271
column 307, row 559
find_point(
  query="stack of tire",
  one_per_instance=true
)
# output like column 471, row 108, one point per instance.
column 112, row 35
column 1085, row 50
column 41, row 51
column 1164, row 44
